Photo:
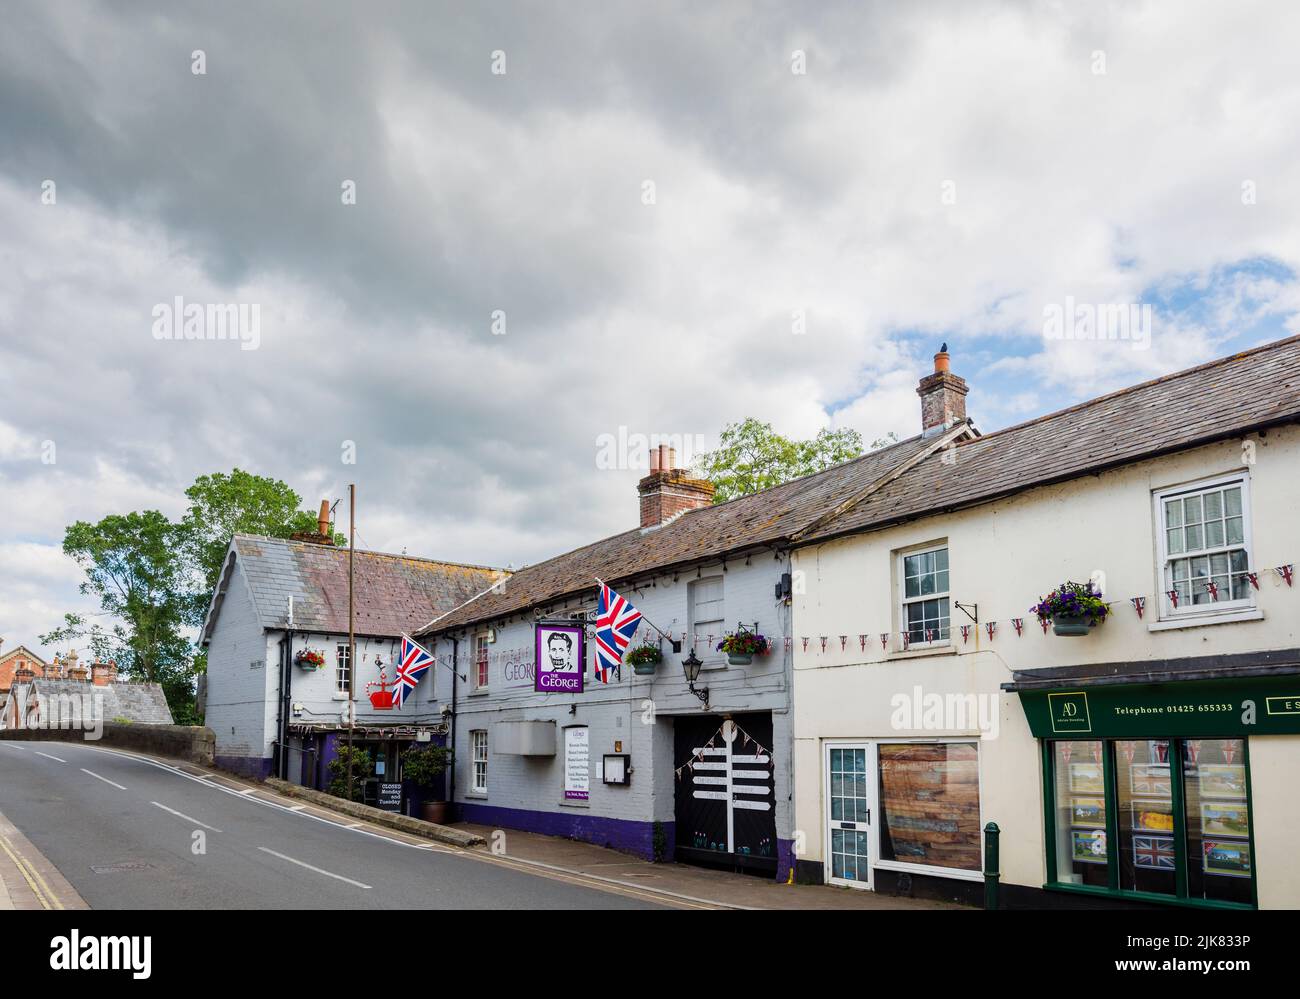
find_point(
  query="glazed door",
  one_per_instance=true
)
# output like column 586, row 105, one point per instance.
column 850, row 813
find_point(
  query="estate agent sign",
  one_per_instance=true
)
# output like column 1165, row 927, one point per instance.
column 561, row 656
column 1192, row 709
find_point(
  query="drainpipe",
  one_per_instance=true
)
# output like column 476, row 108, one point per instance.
column 282, row 708
column 455, row 675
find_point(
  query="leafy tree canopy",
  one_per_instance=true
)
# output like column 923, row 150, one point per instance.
column 751, row 456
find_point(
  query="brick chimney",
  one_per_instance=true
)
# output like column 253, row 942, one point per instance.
column 323, row 536
column 943, row 397
column 668, row 491
column 102, row 674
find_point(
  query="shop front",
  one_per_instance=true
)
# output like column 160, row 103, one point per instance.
column 1148, row 791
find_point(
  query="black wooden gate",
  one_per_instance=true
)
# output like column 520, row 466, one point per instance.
column 726, row 801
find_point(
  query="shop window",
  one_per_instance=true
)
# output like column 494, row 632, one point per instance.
column 1154, row 817
column 930, row 804
column 924, row 579
column 479, row 748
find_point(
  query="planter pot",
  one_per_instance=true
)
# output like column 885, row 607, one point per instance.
column 739, row 659
column 309, row 667
column 644, row 669
column 434, row 811
column 1065, row 624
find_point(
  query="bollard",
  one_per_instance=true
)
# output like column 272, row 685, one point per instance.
column 991, row 875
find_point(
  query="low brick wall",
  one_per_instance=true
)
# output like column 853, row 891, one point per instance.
column 391, row 820
column 179, row 742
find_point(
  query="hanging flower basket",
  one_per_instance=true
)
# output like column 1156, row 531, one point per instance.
column 742, row 647
column 309, row 659
column 645, row 659
column 1073, row 609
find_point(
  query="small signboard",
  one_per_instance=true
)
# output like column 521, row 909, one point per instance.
column 561, row 657
column 390, row 797
column 577, row 761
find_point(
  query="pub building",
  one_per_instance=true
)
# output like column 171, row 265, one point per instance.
column 1139, row 754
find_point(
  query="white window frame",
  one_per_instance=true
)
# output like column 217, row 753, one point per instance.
column 1164, row 574
column 904, row 600
column 342, row 654
column 478, row 764
column 481, row 643
column 712, row 657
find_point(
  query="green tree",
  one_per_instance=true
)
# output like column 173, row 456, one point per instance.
column 239, row 503
column 751, row 457
column 338, row 772
column 135, row 571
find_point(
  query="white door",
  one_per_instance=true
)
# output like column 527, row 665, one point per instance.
column 850, row 813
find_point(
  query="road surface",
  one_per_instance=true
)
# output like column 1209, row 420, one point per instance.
column 131, row 833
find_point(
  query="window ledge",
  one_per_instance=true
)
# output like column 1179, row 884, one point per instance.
column 936, row 650
column 339, row 695
column 903, row 867
column 1200, row 620
column 481, row 692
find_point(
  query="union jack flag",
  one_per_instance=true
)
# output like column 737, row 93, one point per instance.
column 1154, row 851
column 616, row 622
column 412, row 663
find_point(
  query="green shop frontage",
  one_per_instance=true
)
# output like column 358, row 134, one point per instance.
column 1148, row 785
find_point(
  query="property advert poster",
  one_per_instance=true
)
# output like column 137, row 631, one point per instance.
column 577, row 756
column 561, row 655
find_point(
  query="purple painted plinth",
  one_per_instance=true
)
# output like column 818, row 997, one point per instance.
column 636, row 838
column 246, row 766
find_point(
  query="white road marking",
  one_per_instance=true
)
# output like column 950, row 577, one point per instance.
column 49, row 757
column 12, row 746
column 104, row 779
column 296, row 808
column 182, row 815
column 318, row 870
column 249, row 790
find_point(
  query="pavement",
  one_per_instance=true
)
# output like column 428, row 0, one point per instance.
column 84, row 826
column 721, row 888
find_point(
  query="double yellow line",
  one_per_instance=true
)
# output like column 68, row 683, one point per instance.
column 31, row 875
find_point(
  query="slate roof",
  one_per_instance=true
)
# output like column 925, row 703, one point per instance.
column 141, row 703
column 392, row 593
column 1234, row 395
column 766, row 518
column 1224, row 398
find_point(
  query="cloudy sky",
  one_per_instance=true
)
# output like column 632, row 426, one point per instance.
column 647, row 197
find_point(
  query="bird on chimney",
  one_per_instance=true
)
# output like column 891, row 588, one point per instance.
column 944, row 348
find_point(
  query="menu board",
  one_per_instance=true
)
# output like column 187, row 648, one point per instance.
column 577, row 763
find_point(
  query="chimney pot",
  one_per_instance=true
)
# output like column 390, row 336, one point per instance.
column 667, row 457
column 943, row 397
column 323, row 521
column 654, row 459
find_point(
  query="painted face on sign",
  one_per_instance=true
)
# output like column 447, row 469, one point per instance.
column 559, row 652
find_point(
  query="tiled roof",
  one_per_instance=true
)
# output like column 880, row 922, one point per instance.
column 764, row 518
column 1249, row 390
column 392, row 593
column 1223, row 398
column 141, row 703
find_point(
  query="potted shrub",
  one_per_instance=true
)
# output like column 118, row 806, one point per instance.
column 424, row 766
column 1073, row 608
column 743, row 646
column 644, row 659
column 309, row 659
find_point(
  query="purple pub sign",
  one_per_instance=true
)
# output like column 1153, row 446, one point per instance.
column 561, row 657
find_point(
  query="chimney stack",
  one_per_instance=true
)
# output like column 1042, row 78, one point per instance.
column 102, row 674
column 668, row 491
column 943, row 397
column 322, row 535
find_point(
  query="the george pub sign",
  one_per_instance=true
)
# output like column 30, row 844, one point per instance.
column 561, row 656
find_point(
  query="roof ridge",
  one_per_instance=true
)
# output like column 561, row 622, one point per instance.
column 377, row 554
column 1172, row 376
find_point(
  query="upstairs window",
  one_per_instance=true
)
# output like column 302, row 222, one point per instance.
column 708, row 617
column 924, row 579
column 342, row 668
column 481, row 671
column 1205, row 546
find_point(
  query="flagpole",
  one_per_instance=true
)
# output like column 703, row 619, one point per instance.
column 662, row 633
